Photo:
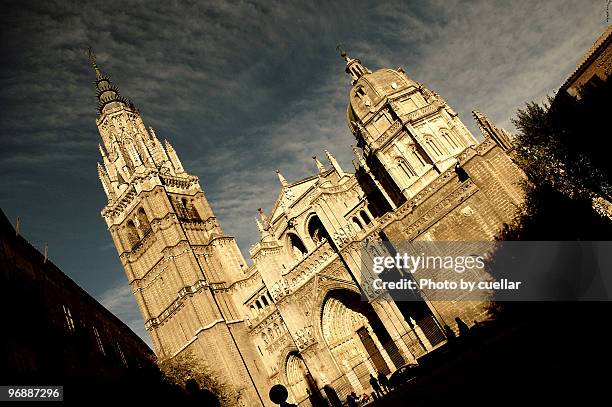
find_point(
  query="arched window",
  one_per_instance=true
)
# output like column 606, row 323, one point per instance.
column 131, row 233
column 190, row 209
column 434, row 147
column 419, row 159
column 297, row 248
column 357, row 223
column 365, row 217
column 449, row 140
column 405, row 167
column 185, row 209
column 68, row 317
column 264, row 300
column 143, row 222
column 316, row 230
column 99, row 341
column 360, row 92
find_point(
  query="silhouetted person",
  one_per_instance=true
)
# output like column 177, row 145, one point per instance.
column 375, row 386
column 384, row 382
column 332, row 396
column 315, row 398
column 278, row 394
column 350, row 401
column 464, row 330
column 461, row 173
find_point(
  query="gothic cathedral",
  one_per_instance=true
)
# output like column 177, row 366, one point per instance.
column 296, row 315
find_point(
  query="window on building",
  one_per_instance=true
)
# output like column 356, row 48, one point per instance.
column 405, row 168
column 143, row 221
column 419, row 159
column 316, row 230
column 296, row 246
column 185, row 209
column 68, row 318
column 98, row 340
column 434, row 147
column 449, row 140
column 121, row 355
column 131, row 234
column 365, row 217
column 357, row 223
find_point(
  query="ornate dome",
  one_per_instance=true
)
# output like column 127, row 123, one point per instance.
column 371, row 88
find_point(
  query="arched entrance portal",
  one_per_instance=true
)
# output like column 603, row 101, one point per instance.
column 296, row 372
column 357, row 339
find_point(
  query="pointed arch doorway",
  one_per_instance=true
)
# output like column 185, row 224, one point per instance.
column 357, row 338
column 296, row 372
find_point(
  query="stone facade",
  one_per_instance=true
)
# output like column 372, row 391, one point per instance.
column 295, row 316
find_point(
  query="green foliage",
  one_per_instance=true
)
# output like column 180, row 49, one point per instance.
column 565, row 144
column 186, row 369
column 564, row 147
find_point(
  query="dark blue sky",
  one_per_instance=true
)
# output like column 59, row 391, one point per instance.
column 240, row 89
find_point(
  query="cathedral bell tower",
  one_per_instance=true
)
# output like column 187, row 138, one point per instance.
column 179, row 263
column 409, row 134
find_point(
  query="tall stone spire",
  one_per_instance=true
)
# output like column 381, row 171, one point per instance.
column 503, row 138
column 318, row 163
column 127, row 146
column 108, row 94
column 176, row 162
column 282, row 179
column 262, row 215
column 353, row 66
column 335, row 163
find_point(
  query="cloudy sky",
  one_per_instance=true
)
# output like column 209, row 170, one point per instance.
column 240, row 89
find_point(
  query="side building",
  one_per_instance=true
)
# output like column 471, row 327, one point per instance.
column 56, row 333
column 594, row 68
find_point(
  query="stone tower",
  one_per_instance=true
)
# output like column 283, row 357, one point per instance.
column 179, row 263
column 409, row 134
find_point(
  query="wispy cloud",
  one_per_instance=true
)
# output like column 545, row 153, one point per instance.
column 120, row 301
column 241, row 88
